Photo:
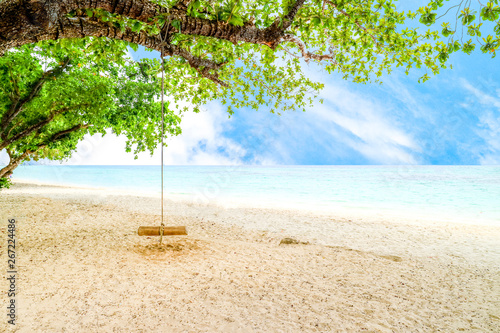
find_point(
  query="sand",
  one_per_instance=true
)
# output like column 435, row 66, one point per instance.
column 82, row 268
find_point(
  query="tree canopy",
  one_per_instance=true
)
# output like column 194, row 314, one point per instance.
column 361, row 39
column 51, row 96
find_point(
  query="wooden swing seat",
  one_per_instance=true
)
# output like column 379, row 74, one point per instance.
column 167, row 231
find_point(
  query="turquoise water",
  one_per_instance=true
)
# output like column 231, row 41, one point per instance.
column 468, row 192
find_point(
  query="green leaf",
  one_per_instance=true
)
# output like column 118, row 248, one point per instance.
column 235, row 20
column 137, row 26
column 176, row 24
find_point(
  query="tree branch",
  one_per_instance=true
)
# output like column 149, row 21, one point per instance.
column 13, row 163
column 306, row 54
column 17, row 31
column 17, row 106
column 6, row 135
column 349, row 17
column 49, row 20
column 82, row 26
column 285, row 22
column 38, row 125
column 276, row 30
column 14, row 95
column 60, row 135
column 203, row 66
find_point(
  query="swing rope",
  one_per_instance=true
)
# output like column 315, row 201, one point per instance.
column 163, row 40
column 162, row 230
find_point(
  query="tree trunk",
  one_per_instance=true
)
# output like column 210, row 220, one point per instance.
column 13, row 163
column 30, row 21
column 6, row 171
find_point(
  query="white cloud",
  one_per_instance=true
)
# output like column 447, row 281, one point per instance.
column 363, row 121
column 489, row 123
column 484, row 98
column 4, row 158
column 201, row 143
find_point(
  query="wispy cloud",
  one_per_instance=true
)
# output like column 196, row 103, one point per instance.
column 483, row 97
column 368, row 127
column 489, row 122
column 202, row 141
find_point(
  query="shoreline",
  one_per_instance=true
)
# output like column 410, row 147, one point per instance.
column 83, row 268
column 412, row 216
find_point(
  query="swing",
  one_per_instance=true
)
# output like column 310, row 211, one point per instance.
column 162, row 230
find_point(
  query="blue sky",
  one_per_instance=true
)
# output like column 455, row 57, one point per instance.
column 454, row 118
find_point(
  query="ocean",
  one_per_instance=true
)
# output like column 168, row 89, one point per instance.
column 468, row 194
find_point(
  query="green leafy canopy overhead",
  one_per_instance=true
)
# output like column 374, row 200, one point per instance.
column 223, row 41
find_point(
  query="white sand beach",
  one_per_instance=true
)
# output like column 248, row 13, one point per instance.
column 82, row 268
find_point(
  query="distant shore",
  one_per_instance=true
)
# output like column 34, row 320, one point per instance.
column 83, row 268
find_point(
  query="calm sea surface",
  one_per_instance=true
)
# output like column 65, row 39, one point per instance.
column 468, row 193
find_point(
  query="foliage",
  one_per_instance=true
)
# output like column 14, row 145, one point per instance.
column 360, row 39
column 365, row 38
column 465, row 26
column 256, row 45
column 87, row 87
column 5, row 183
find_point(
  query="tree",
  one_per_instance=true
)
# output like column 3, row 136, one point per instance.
column 51, row 96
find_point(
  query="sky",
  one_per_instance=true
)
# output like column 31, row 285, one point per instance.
column 452, row 119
